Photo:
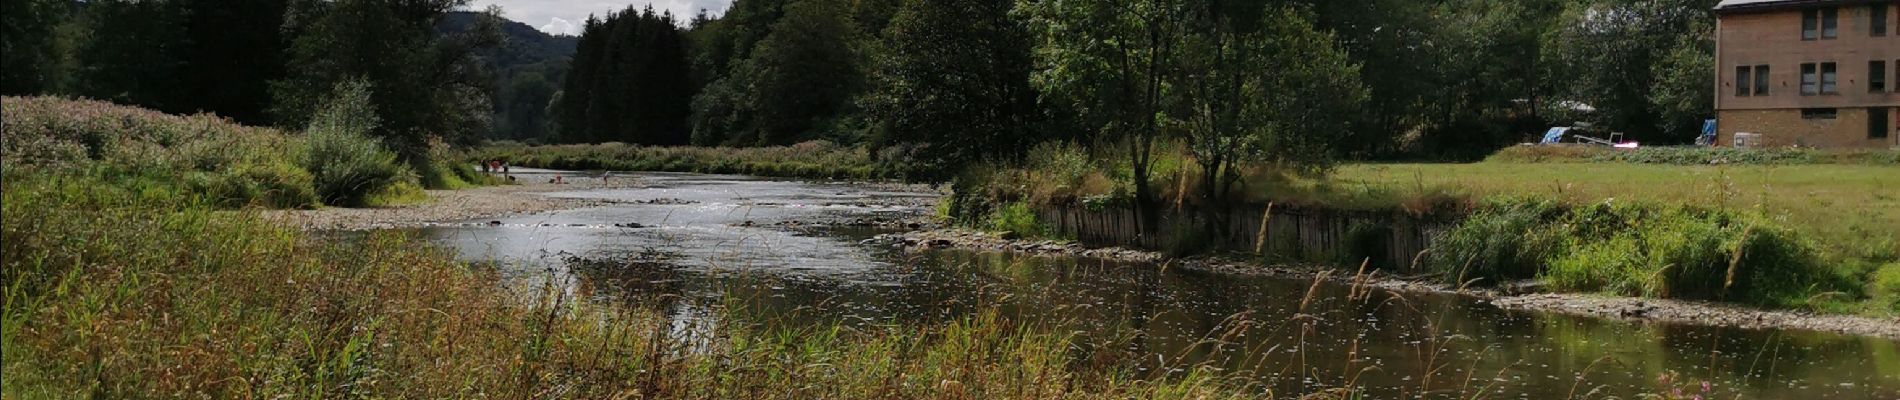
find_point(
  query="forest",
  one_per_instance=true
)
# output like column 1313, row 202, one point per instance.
column 1442, row 79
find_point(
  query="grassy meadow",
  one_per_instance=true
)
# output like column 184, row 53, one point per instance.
column 1854, row 205
column 1774, row 227
column 811, row 160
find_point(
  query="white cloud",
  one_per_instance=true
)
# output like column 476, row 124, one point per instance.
column 565, row 16
column 560, row 26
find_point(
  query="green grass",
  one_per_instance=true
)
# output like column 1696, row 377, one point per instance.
column 814, row 160
column 229, row 165
column 1832, row 219
column 1853, row 209
column 1683, row 155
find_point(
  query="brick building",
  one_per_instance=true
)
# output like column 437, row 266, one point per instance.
column 1812, row 73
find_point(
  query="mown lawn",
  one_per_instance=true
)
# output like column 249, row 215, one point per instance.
column 1852, row 207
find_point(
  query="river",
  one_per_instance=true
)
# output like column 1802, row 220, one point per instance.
column 793, row 249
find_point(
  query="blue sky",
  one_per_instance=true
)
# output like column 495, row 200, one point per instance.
column 565, row 16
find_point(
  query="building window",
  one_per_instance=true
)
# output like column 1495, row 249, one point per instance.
column 1830, row 23
column 1877, row 76
column 1810, row 24
column 1877, row 123
column 1828, row 75
column 1761, row 80
column 1877, row 13
column 1820, row 23
column 1742, row 80
column 1818, row 113
column 1810, row 83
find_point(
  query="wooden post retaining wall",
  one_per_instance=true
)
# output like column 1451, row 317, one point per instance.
column 1392, row 240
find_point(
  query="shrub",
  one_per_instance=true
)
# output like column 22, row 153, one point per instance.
column 273, row 185
column 230, row 165
column 1018, row 218
column 347, row 167
column 1884, row 288
column 345, row 164
column 1635, row 250
column 1503, row 240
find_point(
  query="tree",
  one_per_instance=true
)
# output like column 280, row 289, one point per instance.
column 631, row 81
column 1109, row 58
column 427, row 86
column 26, row 44
column 1260, row 85
column 1489, row 81
column 804, row 75
column 1614, row 48
column 953, row 85
column 134, row 53
column 1683, row 97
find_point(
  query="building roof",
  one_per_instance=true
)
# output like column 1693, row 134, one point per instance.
column 1761, row 5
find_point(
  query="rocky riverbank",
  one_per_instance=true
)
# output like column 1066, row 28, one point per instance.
column 1516, row 297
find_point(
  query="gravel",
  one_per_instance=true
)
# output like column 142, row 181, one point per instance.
column 448, row 206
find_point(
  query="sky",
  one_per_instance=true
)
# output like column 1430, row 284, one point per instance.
column 564, row 17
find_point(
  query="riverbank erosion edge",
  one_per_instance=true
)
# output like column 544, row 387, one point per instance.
column 1522, row 296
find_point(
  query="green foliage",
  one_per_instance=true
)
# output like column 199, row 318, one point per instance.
column 818, row 160
column 26, row 44
column 1501, row 241
column 783, row 72
column 1635, row 250
column 427, row 87
column 230, row 164
column 276, row 185
column 1017, row 218
column 1616, row 49
column 346, row 164
column 630, row 82
column 1681, row 93
column 1884, row 288
column 952, row 87
column 1260, row 86
column 170, row 299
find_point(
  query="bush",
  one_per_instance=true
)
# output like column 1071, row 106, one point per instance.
column 228, row 164
column 1503, row 240
column 268, row 185
column 345, row 164
column 347, row 167
column 1018, row 218
column 1884, row 288
column 1635, row 250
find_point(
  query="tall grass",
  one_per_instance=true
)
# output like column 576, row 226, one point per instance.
column 1636, row 249
column 817, row 160
column 230, row 165
column 208, row 156
column 115, row 291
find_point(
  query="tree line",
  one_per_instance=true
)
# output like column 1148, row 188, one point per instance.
column 260, row 62
column 928, row 83
column 1451, row 79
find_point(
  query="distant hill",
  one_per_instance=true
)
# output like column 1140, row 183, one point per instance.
column 522, row 44
column 528, row 67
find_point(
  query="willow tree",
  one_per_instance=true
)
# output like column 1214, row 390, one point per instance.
column 1109, row 59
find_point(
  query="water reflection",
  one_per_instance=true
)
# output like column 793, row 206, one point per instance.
column 695, row 255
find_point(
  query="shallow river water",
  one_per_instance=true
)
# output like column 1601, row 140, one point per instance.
column 738, row 239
